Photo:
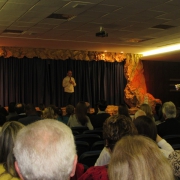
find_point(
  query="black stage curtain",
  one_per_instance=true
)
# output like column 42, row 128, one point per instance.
column 40, row 81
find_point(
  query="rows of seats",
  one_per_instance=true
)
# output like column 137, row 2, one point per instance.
column 89, row 144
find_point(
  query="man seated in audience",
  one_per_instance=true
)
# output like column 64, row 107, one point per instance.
column 11, row 110
column 31, row 113
column 170, row 126
column 45, row 150
column 98, row 119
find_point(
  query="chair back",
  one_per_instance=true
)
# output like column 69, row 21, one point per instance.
column 80, row 129
column 89, row 138
column 172, row 139
column 99, row 145
column 89, row 158
column 81, row 147
column 95, row 131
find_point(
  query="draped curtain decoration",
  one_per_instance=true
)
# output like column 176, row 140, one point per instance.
column 33, row 80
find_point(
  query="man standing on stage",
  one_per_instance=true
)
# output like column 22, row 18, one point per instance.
column 68, row 84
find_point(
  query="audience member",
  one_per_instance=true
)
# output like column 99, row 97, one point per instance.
column 45, row 150
column 80, row 118
column 174, row 159
column 138, row 158
column 7, row 136
column 138, row 113
column 147, row 109
column 11, row 110
column 57, row 112
column 69, row 112
column 2, row 119
column 98, row 119
column 147, row 127
column 3, row 111
column 31, row 113
column 114, row 128
column 41, row 107
column 123, row 110
column 49, row 113
column 171, row 125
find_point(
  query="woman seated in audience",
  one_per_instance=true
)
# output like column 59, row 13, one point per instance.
column 80, row 118
column 138, row 158
column 147, row 109
column 114, row 128
column 49, row 113
column 147, row 127
column 7, row 136
column 123, row 110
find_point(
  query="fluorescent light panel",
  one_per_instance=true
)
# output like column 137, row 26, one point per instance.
column 162, row 50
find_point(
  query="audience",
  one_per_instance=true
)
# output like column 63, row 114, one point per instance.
column 69, row 112
column 147, row 109
column 147, row 127
column 123, row 110
column 114, row 128
column 80, row 118
column 45, row 150
column 138, row 158
column 139, row 113
column 49, row 113
column 171, row 125
column 7, row 136
column 11, row 110
column 98, row 119
column 31, row 113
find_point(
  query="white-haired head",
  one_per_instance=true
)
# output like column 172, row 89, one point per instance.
column 45, row 150
column 169, row 110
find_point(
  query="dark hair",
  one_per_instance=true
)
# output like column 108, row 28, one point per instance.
column 11, row 107
column 30, row 109
column 81, row 111
column 19, row 108
column 146, row 126
column 69, row 109
column 3, row 111
column 123, row 110
column 41, row 106
column 7, row 137
column 115, row 127
column 102, row 105
column 57, row 110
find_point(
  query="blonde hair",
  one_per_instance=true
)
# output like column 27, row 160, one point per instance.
column 49, row 113
column 147, row 109
column 138, row 158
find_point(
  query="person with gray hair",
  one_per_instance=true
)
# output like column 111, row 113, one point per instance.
column 170, row 126
column 45, row 150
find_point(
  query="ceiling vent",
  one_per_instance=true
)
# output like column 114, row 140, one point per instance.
column 61, row 16
column 11, row 31
column 163, row 26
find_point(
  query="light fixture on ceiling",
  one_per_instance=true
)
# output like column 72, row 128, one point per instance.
column 102, row 33
column 165, row 49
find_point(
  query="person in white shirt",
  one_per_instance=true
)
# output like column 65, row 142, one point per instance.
column 68, row 85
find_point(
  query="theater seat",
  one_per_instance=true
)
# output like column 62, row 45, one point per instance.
column 81, row 147
column 89, row 158
column 89, row 138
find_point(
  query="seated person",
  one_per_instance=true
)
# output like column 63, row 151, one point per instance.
column 147, row 109
column 69, row 112
column 7, row 136
column 98, row 119
column 80, row 119
column 147, row 127
column 138, row 158
column 31, row 113
column 11, row 110
column 171, row 125
column 114, row 128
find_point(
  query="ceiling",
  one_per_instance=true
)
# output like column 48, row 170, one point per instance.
column 133, row 26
